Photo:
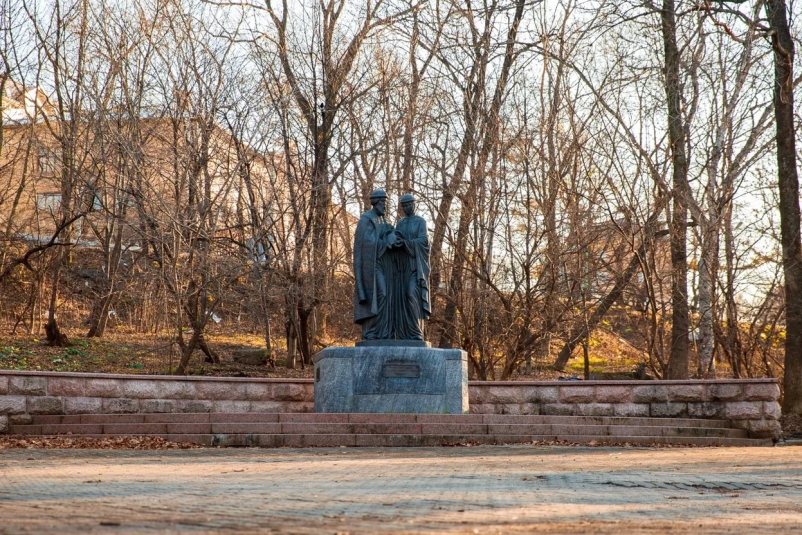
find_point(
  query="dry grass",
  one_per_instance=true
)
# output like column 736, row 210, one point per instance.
column 134, row 353
column 120, row 351
column 613, row 348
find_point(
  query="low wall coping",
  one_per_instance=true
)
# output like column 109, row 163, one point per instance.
column 142, row 377
column 202, row 378
column 626, row 382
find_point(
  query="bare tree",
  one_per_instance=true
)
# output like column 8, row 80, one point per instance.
column 61, row 39
column 788, row 183
column 318, row 92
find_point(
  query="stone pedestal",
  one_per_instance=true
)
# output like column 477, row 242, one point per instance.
column 391, row 379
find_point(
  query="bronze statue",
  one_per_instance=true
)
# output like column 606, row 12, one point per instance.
column 373, row 237
column 413, row 275
column 391, row 270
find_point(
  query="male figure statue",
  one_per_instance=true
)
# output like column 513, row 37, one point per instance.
column 414, row 273
column 373, row 269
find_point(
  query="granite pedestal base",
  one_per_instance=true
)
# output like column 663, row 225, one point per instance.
column 391, row 379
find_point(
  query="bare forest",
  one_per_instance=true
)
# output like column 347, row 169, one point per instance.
column 600, row 178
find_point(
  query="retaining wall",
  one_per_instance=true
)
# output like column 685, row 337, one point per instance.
column 749, row 404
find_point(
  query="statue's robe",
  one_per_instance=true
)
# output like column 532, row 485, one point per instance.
column 371, row 271
column 413, row 279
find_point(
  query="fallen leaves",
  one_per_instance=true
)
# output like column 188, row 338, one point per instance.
column 792, row 426
column 105, row 443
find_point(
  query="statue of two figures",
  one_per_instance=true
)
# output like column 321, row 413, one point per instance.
column 391, row 267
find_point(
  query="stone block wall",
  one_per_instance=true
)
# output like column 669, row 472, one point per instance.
column 24, row 394
column 750, row 404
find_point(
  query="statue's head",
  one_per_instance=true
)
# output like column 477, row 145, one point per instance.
column 378, row 199
column 408, row 203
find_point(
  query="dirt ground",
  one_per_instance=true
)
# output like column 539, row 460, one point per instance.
column 513, row 489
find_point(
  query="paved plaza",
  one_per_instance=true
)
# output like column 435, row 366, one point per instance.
column 514, row 489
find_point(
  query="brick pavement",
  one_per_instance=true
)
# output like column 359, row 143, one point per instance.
column 513, row 489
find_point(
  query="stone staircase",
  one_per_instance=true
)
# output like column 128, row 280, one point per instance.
column 327, row 430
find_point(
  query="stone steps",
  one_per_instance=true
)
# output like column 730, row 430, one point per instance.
column 372, row 429
column 339, row 418
column 342, row 429
column 389, row 440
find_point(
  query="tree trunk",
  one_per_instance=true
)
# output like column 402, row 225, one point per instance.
column 551, row 173
column 54, row 335
column 113, row 258
column 412, row 102
column 731, row 338
column 788, row 181
column 304, row 335
column 706, row 368
column 211, row 355
column 291, row 327
column 321, row 207
column 291, row 343
column 263, row 288
column 100, row 315
column 450, row 327
column 186, row 350
column 678, row 359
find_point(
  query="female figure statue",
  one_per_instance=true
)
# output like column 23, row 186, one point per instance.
column 412, row 275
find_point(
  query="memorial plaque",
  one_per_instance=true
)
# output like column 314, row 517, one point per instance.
column 394, row 370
